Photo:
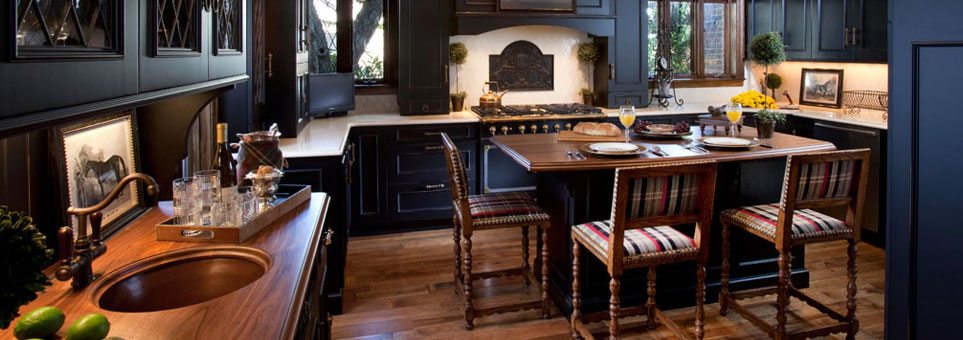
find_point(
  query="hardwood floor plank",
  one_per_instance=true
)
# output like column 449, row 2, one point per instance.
column 399, row 287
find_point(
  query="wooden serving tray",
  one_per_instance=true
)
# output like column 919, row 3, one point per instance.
column 571, row 136
column 289, row 196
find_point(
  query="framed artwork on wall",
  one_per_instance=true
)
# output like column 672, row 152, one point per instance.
column 821, row 87
column 537, row 5
column 94, row 156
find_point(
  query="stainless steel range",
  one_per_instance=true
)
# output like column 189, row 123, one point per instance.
column 499, row 173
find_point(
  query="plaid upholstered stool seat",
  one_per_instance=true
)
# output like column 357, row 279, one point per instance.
column 493, row 211
column 649, row 201
column 807, row 224
column 638, row 244
column 813, row 181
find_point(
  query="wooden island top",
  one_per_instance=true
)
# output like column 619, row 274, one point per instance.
column 266, row 309
column 544, row 153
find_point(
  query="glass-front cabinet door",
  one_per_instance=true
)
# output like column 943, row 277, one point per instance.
column 67, row 52
column 228, row 37
column 59, row 29
column 177, row 24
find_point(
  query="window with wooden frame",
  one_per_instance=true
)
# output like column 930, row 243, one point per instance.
column 355, row 36
column 706, row 40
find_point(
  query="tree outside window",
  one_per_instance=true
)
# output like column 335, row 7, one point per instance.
column 365, row 48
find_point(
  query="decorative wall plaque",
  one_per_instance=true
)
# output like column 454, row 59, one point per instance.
column 522, row 67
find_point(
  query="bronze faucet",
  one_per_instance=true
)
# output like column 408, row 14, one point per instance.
column 77, row 258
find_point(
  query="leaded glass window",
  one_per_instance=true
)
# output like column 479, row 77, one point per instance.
column 66, row 28
column 177, row 24
column 228, row 28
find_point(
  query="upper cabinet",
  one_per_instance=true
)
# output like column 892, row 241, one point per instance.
column 63, row 51
column 286, row 64
column 622, row 72
column 423, row 56
column 175, row 47
column 228, row 36
column 824, row 30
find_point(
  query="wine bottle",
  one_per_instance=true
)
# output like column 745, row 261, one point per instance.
column 223, row 159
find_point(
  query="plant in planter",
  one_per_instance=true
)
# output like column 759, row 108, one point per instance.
column 588, row 96
column 773, row 81
column 588, row 53
column 766, row 121
column 457, row 55
column 23, row 256
column 767, row 49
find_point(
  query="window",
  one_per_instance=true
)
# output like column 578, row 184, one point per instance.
column 352, row 36
column 705, row 40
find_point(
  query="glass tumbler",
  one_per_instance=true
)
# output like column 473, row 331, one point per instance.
column 183, row 201
column 207, row 197
column 246, row 203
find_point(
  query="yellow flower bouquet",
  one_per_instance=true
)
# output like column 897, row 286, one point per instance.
column 754, row 99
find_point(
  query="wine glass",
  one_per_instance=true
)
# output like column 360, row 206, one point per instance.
column 734, row 113
column 627, row 117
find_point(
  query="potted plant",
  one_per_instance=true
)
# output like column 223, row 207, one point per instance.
column 773, row 81
column 767, row 49
column 588, row 53
column 766, row 121
column 23, row 256
column 457, row 55
column 588, row 97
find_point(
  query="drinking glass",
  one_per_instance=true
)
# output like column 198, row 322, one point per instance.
column 183, row 201
column 627, row 117
column 207, row 197
column 246, row 203
column 734, row 113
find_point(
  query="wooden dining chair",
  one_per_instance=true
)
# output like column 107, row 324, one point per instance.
column 648, row 202
column 812, row 181
column 493, row 211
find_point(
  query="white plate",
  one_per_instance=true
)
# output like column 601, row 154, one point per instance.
column 637, row 151
column 727, row 142
column 613, row 147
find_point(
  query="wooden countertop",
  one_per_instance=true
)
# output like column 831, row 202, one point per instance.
column 543, row 153
column 266, row 309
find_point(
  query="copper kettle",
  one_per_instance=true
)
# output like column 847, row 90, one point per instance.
column 490, row 97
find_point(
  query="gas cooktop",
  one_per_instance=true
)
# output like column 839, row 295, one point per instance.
column 537, row 112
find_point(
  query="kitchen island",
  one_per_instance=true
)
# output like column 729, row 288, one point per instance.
column 284, row 303
column 577, row 191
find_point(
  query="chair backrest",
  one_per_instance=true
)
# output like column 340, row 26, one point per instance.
column 457, row 179
column 663, row 194
column 824, row 180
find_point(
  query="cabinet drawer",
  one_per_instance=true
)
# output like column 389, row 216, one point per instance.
column 432, row 133
column 427, row 106
column 414, row 162
column 421, row 201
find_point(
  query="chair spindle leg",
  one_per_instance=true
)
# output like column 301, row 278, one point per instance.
column 576, row 288
column 650, row 302
column 614, row 286
column 700, row 300
column 456, row 235
column 851, row 291
column 469, row 306
column 546, row 306
column 724, row 275
column 782, row 294
column 525, row 266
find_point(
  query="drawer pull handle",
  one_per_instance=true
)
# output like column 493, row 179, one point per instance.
column 434, row 186
column 432, row 148
column 432, row 133
column 327, row 237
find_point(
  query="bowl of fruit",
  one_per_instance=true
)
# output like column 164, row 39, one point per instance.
column 648, row 129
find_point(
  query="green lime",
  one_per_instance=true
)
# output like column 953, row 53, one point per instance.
column 89, row 327
column 39, row 323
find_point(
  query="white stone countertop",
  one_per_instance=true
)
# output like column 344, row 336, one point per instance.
column 326, row 136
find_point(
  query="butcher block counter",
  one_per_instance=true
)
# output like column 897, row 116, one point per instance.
column 268, row 308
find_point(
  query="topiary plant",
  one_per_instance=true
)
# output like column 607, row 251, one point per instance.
column 588, row 53
column 773, row 81
column 23, row 256
column 767, row 49
column 458, row 55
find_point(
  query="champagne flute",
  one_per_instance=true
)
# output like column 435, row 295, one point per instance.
column 734, row 113
column 627, row 117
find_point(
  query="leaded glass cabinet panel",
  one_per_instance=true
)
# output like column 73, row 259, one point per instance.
column 67, row 28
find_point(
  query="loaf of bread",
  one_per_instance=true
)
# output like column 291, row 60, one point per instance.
column 597, row 129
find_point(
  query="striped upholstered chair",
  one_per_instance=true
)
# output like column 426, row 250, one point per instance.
column 818, row 180
column 493, row 211
column 648, row 201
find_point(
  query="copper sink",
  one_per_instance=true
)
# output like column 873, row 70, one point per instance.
column 180, row 278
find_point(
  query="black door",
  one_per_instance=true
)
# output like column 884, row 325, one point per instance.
column 228, row 37
column 870, row 39
column 831, row 32
column 797, row 29
column 763, row 16
column 423, row 56
column 923, row 271
column 54, row 70
column 628, row 66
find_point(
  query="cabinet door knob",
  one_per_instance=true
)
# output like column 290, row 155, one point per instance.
column 269, row 64
column 611, row 71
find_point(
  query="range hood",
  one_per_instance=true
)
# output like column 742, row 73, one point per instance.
column 595, row 17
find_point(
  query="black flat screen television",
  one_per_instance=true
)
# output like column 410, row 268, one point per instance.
column 330, row 94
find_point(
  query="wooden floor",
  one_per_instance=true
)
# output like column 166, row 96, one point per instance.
column 400, row 287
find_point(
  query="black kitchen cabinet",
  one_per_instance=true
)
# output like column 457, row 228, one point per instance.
column 228, row 37
column 175, row 43
column 367, row 178
column 423, row 56
column 622, row 72
column 64, row 69
column 582, row 7
column 845, row 137
column 314, row 319
column 286, row 63
column 823, row 30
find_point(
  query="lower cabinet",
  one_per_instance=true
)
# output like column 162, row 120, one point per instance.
column 314, row 321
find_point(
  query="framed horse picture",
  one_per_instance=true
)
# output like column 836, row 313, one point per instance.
column 94, row 156
column 821, row 87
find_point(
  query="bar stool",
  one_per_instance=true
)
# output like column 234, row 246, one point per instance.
column 493, row 211
column 817, row 180
column 648, row 201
